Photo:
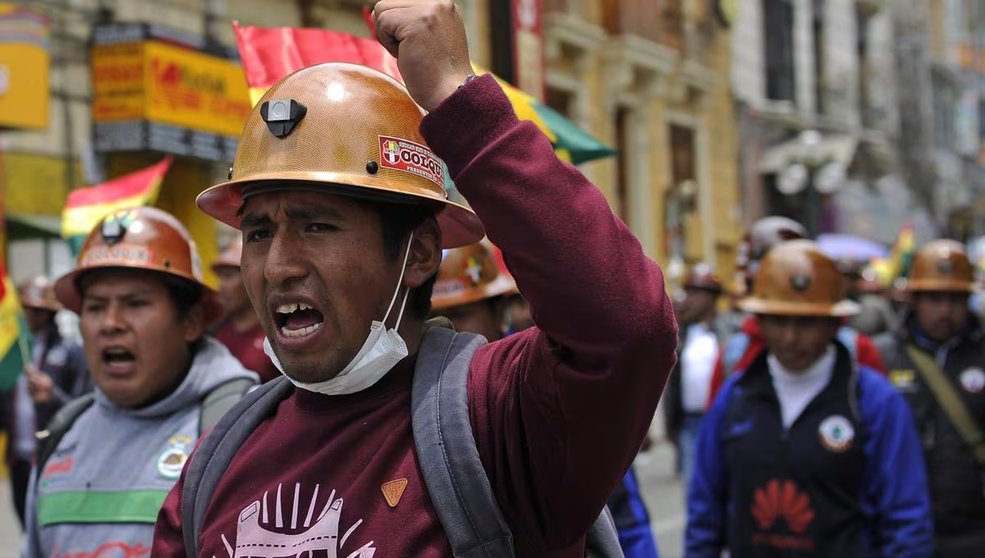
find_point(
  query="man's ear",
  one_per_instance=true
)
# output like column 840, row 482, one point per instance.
column 194, row 323
column 425, row 254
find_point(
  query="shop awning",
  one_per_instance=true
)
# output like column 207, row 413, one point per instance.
column 840, row 148
column 23, row 225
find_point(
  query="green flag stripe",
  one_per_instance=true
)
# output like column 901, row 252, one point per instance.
column 11, row 366
column 581, row 145
column 135, row 506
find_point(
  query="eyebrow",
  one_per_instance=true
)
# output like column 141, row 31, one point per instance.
column 125, row 296
column 306, row 212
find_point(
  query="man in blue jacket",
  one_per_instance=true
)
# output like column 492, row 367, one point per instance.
column 805, row 454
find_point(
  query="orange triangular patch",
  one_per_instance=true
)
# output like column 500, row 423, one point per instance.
column 393, row 490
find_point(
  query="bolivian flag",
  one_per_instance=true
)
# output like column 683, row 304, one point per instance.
column 86, row 206
column 270, row 53
column 901, row 256
column 15, row 339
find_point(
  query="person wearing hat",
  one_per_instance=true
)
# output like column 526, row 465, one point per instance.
column 686, row 397
column 343, row 235
column 745, row 345
column 240, row 330
column 107, row 460
column 805, row 453
column 56, row 374
column 469, row 290
column 937, row 361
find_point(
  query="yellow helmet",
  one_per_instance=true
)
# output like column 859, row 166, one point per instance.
column 349, row 130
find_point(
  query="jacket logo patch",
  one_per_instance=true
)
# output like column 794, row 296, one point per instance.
column 781, row 499
column 393, row 490
column 62, row 466
column 973, row 380
column 836, row 433
column 903, row 380
column 174, row 456
column 408, row 156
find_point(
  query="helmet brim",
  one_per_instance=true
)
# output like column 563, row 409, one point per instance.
column 939, row 285
column 497, row 287
column 459, row 225
column 843, row 309
column 70, row 296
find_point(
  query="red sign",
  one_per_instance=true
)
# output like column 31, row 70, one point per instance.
column 528, row 46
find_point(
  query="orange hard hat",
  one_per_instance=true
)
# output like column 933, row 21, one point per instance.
column 231, row 256
column 941, row 265
column 342, row 129
column 702, row 276
column 38, row 292
column 796, row 278
column 139, row 238
column 469, row 274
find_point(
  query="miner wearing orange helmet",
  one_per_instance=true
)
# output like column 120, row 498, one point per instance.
column 937, row 361
column 337, row 187
column 107, row 460
column 469, row 290
column 805, row 453
column 240, row 330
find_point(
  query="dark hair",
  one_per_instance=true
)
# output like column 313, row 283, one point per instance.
column 398, row 220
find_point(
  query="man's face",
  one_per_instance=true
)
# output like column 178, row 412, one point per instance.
column 135, row 339
column 482, row 317
column 232, row 293
column 797, row 341
column 315, row 268
column 37, row 318
column 941, row 315
column 697, row 304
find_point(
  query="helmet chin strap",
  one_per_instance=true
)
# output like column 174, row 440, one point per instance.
column 396, row 291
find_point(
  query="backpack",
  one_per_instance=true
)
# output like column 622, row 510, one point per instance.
column 214, row 405
column 449, row 460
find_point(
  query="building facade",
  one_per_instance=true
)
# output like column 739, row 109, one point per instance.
column 648, row 77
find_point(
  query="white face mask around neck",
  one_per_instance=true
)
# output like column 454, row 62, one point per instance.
column 381, row 351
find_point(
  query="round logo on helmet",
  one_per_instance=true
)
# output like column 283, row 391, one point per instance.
column 973, row 380
column 836, row 433
column 800, row 283
column 946, row 267
column 391, row 152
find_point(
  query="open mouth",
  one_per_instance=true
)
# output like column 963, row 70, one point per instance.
column 297, row 320
column 119, row 359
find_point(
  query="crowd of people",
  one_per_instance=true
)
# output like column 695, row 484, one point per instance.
column 375, row 376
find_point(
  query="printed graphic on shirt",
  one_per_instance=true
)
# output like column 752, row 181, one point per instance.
column 836, row 433
column 58, row 467
column 173, row 458
column 299, row 527
column 973, row 380
column 782, row 513
column 903, row 380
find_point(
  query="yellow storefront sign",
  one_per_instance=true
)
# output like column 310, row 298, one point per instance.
column 23, row 86
column 167, row 84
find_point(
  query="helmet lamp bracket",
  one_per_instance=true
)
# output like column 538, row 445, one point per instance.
column 282, row 115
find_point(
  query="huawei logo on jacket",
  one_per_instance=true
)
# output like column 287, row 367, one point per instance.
column 782, row 500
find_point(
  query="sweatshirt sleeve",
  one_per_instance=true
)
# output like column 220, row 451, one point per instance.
column 897, row 494
column 559, row 411
column 707, row 495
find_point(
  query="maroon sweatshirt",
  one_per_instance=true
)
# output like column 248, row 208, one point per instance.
column 558, row 411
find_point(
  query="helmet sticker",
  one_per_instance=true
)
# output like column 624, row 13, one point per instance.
column 407, row 156
column 121, row 253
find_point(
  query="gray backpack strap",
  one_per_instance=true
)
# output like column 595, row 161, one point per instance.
column 603, row 538
column 216, row 450
column 63, row 420
column 220, row 400
column 446, row 453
